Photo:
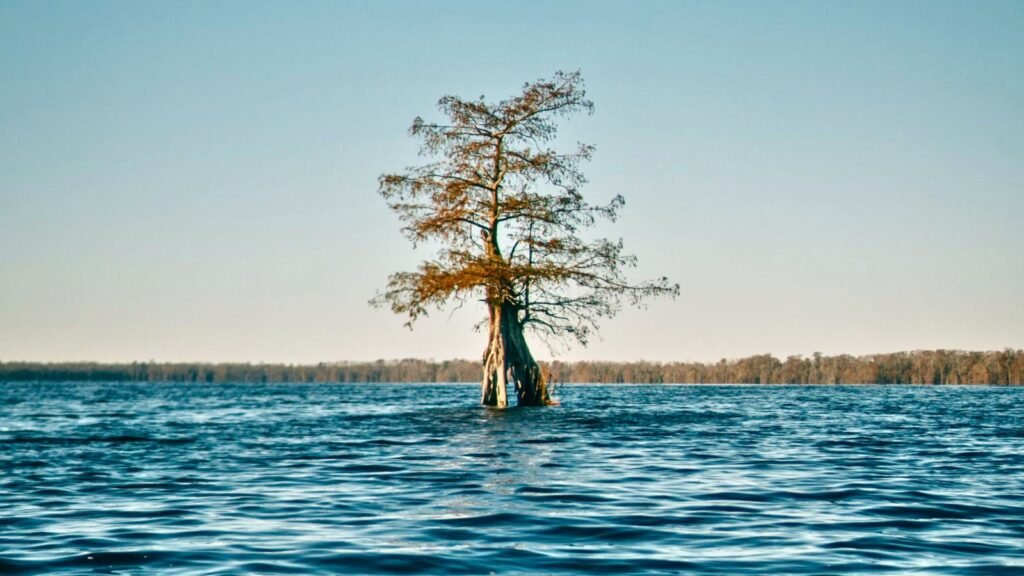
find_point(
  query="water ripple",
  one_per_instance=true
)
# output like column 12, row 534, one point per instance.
column 326, row 479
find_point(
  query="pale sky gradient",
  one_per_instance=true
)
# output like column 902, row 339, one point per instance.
column 197, row 180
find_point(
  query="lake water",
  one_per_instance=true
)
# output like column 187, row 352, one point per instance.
column 305, row 479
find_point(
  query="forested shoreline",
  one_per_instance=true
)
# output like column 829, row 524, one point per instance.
column 917, row 367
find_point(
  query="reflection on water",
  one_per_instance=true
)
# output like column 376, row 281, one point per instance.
column 237, row 479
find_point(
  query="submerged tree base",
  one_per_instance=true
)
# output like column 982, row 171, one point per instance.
column 508, row 359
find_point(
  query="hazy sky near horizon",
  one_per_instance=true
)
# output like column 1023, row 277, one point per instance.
column 197, row 180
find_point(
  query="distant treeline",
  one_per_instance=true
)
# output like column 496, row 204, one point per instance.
column 918, row 367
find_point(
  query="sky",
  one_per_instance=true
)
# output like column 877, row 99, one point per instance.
column 197, row 181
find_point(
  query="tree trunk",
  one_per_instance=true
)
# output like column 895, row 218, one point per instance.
column 508, row 358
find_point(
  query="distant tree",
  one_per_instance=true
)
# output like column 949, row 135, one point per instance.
column 507, row 212
column 962, row 367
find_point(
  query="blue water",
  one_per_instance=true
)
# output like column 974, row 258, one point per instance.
column 306, row 479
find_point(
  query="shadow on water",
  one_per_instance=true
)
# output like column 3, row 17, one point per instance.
column 274, row 478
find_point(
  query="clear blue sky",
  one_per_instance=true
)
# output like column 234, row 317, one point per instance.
column 197, row 180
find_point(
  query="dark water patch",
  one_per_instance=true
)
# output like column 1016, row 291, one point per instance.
column 739, row 496
column 728, row 510
column 660, row 520
column 882, row 545
column 488, row 455
column 369, row 468
column 127, row 438
column 546, row 440
column 117, row 562
column 600, row 533
column 326, row 479
column 148, row 486
column 822, row 495
column 47, row 491
column 451, row 534
column 536, row 490
column 554, row 465
column 30, row 464
column 572, row 562
column 21, row 523
column 919, row 512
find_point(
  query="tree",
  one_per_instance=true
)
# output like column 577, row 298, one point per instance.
column 506, row 212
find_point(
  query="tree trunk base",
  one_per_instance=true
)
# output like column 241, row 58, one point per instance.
column 508, row 359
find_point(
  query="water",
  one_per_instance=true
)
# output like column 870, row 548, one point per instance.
column 305, row 479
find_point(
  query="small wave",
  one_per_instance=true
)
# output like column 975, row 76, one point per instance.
column 496, row 519
column 561, row 496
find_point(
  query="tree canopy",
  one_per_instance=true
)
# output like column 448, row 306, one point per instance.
column 494, row 181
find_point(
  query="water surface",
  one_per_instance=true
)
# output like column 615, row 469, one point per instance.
column 306, row 479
